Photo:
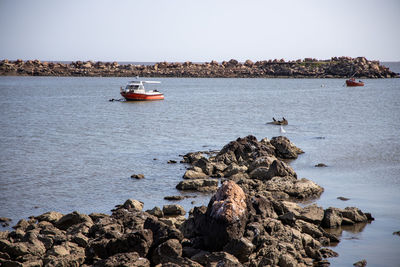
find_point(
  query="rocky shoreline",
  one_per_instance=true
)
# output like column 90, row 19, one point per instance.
column 336, row 67
column 251, row 220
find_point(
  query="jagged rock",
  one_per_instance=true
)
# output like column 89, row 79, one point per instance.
column 284, row 148
column 332, row 218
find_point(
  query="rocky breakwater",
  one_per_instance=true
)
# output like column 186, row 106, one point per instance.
column 336, row 67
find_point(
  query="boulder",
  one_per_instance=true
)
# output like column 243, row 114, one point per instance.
column 137, row 176
column 240, row 248
column 312, row 213
column 332, row 218
column 167, row 251
column 284, row 148
column 133, row 204
column 195, row 174
column 226, row 216
column 201, row 185
column 71, row 219
column 173, row 210
column 354, row 214
column 51, row 216
column 156, row 211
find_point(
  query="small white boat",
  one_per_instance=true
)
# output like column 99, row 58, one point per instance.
column 134, row 91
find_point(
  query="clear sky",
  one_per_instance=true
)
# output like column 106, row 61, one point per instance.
column 203, row 30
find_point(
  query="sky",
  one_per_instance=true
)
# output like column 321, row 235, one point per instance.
column 198, row 31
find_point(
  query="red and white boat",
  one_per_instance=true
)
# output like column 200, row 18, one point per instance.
column 353, row 82
column 134, row 91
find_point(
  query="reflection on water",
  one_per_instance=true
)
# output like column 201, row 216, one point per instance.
column 347, row 231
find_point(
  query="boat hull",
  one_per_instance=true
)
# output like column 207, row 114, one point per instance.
column 353, row 83
column 142, row 97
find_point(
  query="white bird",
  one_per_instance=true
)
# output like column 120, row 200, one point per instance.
column 282, row 130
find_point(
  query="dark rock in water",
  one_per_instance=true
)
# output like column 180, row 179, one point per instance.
column 343, row 198
column 174, row 197
column 360, row 263
column 171, row 161
column 5, row 221
column 321, row 165
column 137, row 176
column 396, row 233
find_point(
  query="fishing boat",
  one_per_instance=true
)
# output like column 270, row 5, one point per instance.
column 353, row 82
column 134, row 91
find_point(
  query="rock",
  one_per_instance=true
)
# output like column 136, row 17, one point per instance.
column 233, row 169
column 312, row 213
column 240, row 248
column 279, row 168
column 156, row 211
column 71, row 219
column 321, row 165
column 396, row 233
column 131, row 259
column 284, row 148
column 226, row 216
column 138, row 241
column 174, row 197
column 137, row 176
column 173, row 210
column 51, row 216
column 332, row 218
column 201, row 185
column 328, row 253
column 161, row 231
column 343, row 198
column 193, row 174
column 166, row 251
column 133, row 204
column 360, row 263
column 4, row 219
column 171, row 161
column 354, row 214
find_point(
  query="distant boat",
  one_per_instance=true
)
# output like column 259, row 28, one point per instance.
column 134, row 91
column 353, row 82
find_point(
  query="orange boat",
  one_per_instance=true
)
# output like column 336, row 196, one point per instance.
column 134, row 91
column 353, row 82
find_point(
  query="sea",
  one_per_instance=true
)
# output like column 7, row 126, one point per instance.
column 65, row 147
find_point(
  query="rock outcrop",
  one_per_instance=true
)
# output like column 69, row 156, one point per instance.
column 258, row 167
column 336, row 67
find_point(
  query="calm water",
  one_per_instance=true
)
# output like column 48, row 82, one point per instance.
column 65, row 147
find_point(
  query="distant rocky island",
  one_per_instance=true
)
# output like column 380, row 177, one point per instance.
column 336, row 67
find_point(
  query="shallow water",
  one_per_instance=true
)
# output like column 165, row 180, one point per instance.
column 65, row 147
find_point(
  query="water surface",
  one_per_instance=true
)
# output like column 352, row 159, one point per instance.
column 65, row 147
